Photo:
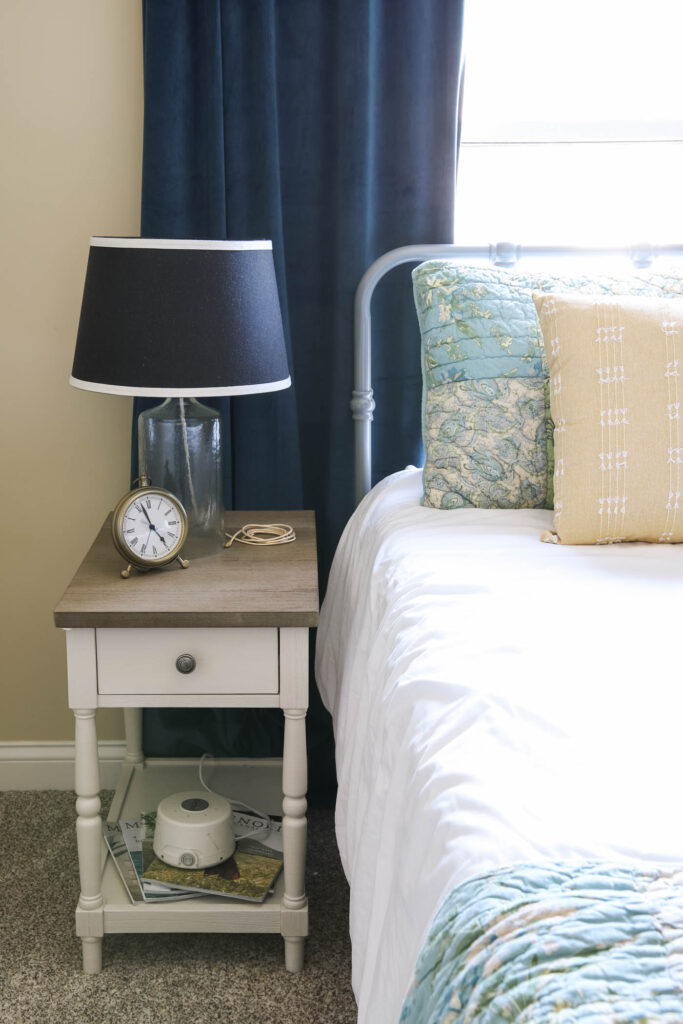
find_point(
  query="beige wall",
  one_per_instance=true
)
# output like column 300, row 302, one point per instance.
column 71, row 120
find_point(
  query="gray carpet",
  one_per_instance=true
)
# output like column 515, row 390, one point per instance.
column 155, row 979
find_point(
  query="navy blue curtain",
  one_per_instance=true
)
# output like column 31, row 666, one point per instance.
column 330, row 127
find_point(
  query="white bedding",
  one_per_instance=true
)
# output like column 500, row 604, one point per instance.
column 495, row 700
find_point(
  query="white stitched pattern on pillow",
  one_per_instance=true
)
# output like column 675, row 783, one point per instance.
column 615, row 398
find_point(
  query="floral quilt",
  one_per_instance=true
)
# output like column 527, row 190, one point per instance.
column 567, row 943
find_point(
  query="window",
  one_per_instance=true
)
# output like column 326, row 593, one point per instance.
column 572, row 123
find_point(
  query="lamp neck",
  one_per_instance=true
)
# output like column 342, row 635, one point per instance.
column 181, row 407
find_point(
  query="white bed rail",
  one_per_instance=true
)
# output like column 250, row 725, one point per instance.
column 502, row 254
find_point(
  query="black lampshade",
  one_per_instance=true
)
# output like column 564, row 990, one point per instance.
column 180, row 317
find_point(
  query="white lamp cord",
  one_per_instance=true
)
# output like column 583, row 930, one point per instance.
column 265, row 828
column 186, row 447
column 261, row 534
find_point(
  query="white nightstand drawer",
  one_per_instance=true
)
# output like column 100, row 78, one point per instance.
column 235, row 660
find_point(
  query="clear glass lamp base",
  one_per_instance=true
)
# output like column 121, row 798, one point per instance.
column 180, row 448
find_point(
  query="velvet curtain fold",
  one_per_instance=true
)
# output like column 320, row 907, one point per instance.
column 330, row 127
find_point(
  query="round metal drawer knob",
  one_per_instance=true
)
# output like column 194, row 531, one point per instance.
column 185, row 663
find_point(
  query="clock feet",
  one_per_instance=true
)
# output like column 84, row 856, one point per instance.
column 125, row 573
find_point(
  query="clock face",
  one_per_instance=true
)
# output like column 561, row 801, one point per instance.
column 152, row 526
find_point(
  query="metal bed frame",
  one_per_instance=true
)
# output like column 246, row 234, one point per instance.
column 503, row 254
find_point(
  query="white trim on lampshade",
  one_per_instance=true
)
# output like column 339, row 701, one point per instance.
column 237, row 389
column 178, row 243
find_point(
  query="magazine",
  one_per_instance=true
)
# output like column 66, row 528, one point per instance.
column 271, row 837
column 124, row 865
column 132, row 832
column 249, row 874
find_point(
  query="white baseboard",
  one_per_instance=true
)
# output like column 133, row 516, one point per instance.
column 50, row 765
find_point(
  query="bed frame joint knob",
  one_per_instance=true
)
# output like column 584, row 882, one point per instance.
column 362, row 405
column 642, row 255
column 504, row 254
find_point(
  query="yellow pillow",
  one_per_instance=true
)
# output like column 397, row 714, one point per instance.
column 615, row 394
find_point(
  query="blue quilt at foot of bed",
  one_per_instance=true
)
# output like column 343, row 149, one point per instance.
column 567, row 943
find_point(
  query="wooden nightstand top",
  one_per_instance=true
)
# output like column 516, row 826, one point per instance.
column 241, row 586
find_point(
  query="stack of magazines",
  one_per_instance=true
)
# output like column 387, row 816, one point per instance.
column 249, row 874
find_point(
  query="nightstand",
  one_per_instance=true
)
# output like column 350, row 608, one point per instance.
column 243, row 616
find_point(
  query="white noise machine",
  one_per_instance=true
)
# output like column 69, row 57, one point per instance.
column 194, row 830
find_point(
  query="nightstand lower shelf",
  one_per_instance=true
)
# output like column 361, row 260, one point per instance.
column 140, row 788
column 205, row 914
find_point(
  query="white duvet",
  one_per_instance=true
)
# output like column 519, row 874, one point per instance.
column 495, row 700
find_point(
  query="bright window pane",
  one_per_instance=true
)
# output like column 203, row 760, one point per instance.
column 572, row 123
column 583, row 193
column 585, row 62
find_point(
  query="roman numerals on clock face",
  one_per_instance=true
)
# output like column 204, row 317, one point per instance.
column 151, row 526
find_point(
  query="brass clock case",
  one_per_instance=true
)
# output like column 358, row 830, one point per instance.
column 140, row 561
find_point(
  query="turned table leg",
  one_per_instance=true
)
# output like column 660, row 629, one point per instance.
column 132, row 723
column 294, row 826
column 89, row 915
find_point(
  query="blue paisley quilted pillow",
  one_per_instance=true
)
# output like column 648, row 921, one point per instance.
column 486, row 426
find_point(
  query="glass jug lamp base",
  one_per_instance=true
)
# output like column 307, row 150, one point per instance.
column 180, row 448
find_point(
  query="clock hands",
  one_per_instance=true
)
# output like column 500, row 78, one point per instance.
column 152, row 527
column 146, row 516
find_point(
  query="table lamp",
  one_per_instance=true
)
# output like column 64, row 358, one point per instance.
column 181, row 319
